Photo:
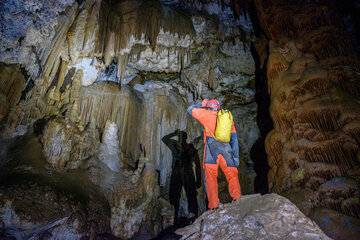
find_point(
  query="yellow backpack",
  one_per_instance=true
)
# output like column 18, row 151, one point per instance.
column 223, row 126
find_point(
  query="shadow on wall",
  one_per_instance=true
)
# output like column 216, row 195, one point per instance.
column 184, row 155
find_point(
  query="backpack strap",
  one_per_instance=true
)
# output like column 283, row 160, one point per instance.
column 208, row 130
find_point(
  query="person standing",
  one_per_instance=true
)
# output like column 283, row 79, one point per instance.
column 225, row 155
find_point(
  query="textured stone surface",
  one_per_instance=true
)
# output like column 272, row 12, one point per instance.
column 107, row 80
column 159, row 61
column 29, row 38
column 254, row 217
column 12, row 83
column 312, row 70
column 36, row 201
column 57, row 142
column 334, row 223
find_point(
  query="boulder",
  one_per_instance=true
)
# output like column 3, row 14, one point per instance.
column 254, row 217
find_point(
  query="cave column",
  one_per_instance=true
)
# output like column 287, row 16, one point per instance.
column 313, row 76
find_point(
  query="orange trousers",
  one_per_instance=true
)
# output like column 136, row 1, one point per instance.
column 211, row 173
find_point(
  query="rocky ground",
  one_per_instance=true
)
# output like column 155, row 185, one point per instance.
column 254, row 217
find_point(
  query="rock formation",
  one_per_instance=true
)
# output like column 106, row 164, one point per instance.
column 254, row 217
column 96, row 85
column 313, row 79
column 88, row 89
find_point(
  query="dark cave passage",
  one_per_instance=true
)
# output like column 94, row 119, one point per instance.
column 257, row 153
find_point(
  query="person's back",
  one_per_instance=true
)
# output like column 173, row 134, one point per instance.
column 225, row 155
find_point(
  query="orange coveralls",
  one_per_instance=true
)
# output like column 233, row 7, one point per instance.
column 225, row 155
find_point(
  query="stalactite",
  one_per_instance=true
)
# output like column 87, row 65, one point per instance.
column 347, row 78
column 122, row 62
column 100, row 100
column 316, row 112
column 322, row 120
column 75, row 35
column 12, row 83
column 74, row 96
column 317, row 86
column 49, row 58
column 130, row 22
column 276, row 64
column 323, row 170
column 333, row 152
column 91, row 31
column 281, row 123
column 274, row 148
column 291, row 160
column 353, row 129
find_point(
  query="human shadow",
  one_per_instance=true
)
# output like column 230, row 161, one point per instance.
column 184, row 155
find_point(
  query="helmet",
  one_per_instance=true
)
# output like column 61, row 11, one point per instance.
column 213, row 103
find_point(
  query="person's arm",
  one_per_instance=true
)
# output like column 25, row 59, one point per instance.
column 170, row 143
column 197, row 106
column 234, row 145
column 190, row 109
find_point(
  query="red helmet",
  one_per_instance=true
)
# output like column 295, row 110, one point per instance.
column 213, row 103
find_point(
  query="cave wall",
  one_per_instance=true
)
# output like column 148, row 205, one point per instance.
column 96, row 89
column 313, row 79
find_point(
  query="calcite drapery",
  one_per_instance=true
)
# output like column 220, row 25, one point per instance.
column 312, row 71
column 86, row 122
column 12, row 83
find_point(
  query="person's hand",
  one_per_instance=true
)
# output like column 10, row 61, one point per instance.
column 204, row 102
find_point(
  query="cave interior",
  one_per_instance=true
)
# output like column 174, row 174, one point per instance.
column 94, row 94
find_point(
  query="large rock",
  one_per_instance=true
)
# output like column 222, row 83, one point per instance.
column 254, row 217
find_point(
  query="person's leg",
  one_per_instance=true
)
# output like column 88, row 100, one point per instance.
column 231, row 174
column 175, row 190
column 190, row 189
column 211, row 173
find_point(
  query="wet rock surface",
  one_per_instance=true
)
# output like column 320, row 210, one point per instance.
column 254, row 217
